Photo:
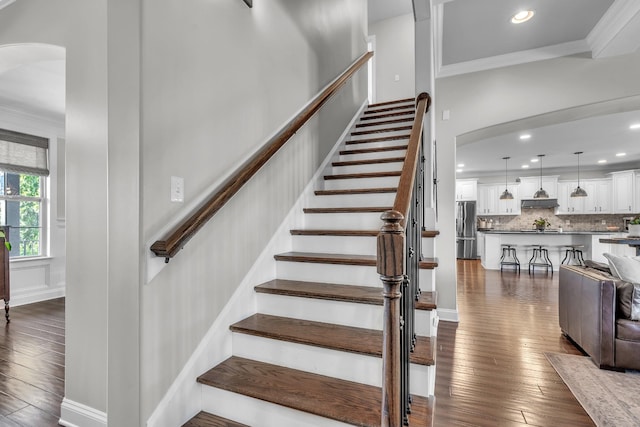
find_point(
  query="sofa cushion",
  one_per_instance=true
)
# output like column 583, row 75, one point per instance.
column 624, row 297
column 635, row 302
column 628, row 330
column 626, row 268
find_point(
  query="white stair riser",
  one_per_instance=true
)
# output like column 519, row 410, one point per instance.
column 344, row 184
column 256, row 412
column 352, row 200
column 428, row 247
column 366, row 316
column 422, row 380
column 336, row 273
column 368, row 156
column 374, row 167
column 383, row 131
column 343, row 221
column 332, row 363
column 354, row 245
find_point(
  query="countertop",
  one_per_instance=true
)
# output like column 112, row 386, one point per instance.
column 551, row 233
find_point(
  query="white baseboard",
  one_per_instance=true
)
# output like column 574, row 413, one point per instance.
column 31, row 296
column 448, row 315
column 74, row 414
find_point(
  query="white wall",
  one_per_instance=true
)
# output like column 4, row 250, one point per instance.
column 218, row 80
column 394, row 57
column 488, row 98
column 40, row 279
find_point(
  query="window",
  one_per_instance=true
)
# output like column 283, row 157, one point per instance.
column 24, row 163
column 21, row 210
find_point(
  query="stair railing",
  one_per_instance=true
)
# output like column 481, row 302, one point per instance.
column 399, row 252
column 175, row 241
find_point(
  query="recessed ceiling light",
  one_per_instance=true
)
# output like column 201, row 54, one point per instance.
column 602, row 161
column 460, row 165
column 525, row 166
column 522, row 16
column 535, row 160
column 458, row 170
column 635, row 126
column 525, row 136
column 621, row 154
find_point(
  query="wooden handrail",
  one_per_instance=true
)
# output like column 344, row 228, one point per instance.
column 402, row 202
column 392, row 267
column 175, row 241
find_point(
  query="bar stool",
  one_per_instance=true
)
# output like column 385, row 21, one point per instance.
column 509, row 257
column 540, row 258
column 573, row 255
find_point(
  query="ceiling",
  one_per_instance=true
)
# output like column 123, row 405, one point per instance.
column 472, row 35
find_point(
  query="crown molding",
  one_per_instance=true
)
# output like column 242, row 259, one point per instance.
column 5, row 3
column 618, row 31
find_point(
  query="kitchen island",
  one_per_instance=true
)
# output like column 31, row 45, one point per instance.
column 490, row 251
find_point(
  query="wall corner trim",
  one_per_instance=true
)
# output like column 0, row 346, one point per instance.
column 74, row 414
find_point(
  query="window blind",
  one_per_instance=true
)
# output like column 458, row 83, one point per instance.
column 23, row 153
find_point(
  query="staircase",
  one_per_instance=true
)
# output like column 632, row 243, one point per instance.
column 311, row 355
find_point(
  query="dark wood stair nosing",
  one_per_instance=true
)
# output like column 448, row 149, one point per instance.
column 377, row 139
column 430, row 233
column 205, row 419
column 355, row 209
column 331, row 336
column 357, row 294
column 395, row 101
column 357, row 404
column 381, row 130
column 408, row 107
column 368, row 162
column 352, row 191
column 373, row 150
column 363, row 175
column 384, row 122
column 344, row 259
column 387, row 115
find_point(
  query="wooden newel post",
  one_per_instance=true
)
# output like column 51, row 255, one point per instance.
column 391, row 256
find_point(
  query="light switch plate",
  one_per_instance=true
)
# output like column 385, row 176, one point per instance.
column 177, row 189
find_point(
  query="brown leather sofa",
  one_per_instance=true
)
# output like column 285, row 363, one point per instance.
column 592, row 306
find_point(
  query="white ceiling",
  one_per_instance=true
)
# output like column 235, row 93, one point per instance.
column 473, row 35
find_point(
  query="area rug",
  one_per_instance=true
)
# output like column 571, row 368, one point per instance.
column 610, row 398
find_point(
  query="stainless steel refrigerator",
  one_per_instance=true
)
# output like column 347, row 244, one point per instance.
column 466, row 230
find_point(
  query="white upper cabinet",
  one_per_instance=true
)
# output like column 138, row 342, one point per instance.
column 623, row 191
column 466, row 189
column 567, row 204
column 487, row 200
column 511, row 206
column 530, row 184
column 598, row 198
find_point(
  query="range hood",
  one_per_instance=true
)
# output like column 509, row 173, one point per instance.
column 539, row 203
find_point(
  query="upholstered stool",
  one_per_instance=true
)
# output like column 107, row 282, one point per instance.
column 540, row 258
column 509, row 257
column 573, row 255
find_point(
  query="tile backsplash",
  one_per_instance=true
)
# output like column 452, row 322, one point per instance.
column 591, row 222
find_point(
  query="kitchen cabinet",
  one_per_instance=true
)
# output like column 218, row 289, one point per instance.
column 637, row 195
column 466, row 189
column 487, row 200
column 598, row 198
column 530, row 184
column 623, row 191
column 512, row 206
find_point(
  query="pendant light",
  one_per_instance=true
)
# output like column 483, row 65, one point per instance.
column 578, row 192
column 506, row 195
column 541, row 194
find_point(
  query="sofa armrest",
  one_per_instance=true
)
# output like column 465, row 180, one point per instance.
column 587, row 310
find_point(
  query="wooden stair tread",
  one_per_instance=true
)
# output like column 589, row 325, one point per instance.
column 327, row 335
column 343, row 259
column 430, row 233
column 381, row 130
column 356, row 191
column 356, row 209
column 363, row 175
column 204, row 419
column 369, row 161
column 341, row 400
column 407, row 107
column 329, row 291
column 395, row 101
column 388, row 114
column 351, row 233
column 384, row 122
column 377, row 139
column 374, row 150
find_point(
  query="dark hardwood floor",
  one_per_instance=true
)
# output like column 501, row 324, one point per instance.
column 491, row 368
column 32, row 365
